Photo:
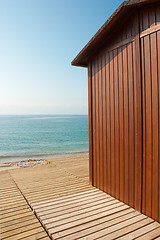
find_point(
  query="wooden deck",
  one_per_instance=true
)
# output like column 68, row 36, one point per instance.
column 57, row 197
column 17, row 221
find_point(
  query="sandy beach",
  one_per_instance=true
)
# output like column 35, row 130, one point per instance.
column 22, row 164
column 30, row 163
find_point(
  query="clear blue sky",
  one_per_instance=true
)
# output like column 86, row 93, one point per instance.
column 39, row 39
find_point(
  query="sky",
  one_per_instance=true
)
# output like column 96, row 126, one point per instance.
column 39, row 39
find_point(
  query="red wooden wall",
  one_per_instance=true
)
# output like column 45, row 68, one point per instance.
column 150, row 45
column 124, row 116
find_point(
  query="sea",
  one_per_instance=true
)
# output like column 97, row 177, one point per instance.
column 42, row 136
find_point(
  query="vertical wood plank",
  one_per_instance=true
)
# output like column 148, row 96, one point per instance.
column 121, row 122
column 112, row 121
column 141, row 20
column 108, row 123
column 158, row 59
column 94, row 125
column 126, row 107
column 131, row 126
column 144, row 127
column 116, row 92
column 138, row 114
column 158, row 52
column 145, row 22
column 148, row 157
column 100, row 123
column 104, row 122
column 145, row 19
column 97, row 123
column 152, row 17
column 157, row 14
column 154, row 77
column 90, row 123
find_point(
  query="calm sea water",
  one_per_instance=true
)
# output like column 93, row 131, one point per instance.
column 39, row 136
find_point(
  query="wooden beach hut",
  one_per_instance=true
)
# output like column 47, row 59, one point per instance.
column 123, row 61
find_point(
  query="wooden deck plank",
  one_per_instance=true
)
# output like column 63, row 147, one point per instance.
column 66, row 202
column 66, row 205
column 60, row 220
column 71, row 211
column 98, row 227
column 19, row 230
column 132, row 227
column 60, row 202
column 52, row 229
column 17, row 219
column 32, row 232
column 56, row 191
column 89, row 226
column 142, row 231
column 25, row 223
column 16, row 222
column 153, row 234
column 52, row 201
column 38, row 236
column 119, row 229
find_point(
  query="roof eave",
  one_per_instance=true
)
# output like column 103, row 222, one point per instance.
column 82, row 59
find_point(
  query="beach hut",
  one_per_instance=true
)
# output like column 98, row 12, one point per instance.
column 123, row 61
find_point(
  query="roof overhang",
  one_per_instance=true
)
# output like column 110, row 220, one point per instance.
column 85, row 54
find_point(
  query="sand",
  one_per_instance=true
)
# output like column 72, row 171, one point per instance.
column 22, row 164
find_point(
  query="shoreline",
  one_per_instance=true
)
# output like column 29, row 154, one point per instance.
column 18, row 158
column 35, row 162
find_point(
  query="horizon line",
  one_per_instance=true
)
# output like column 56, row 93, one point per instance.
column 51, row 114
